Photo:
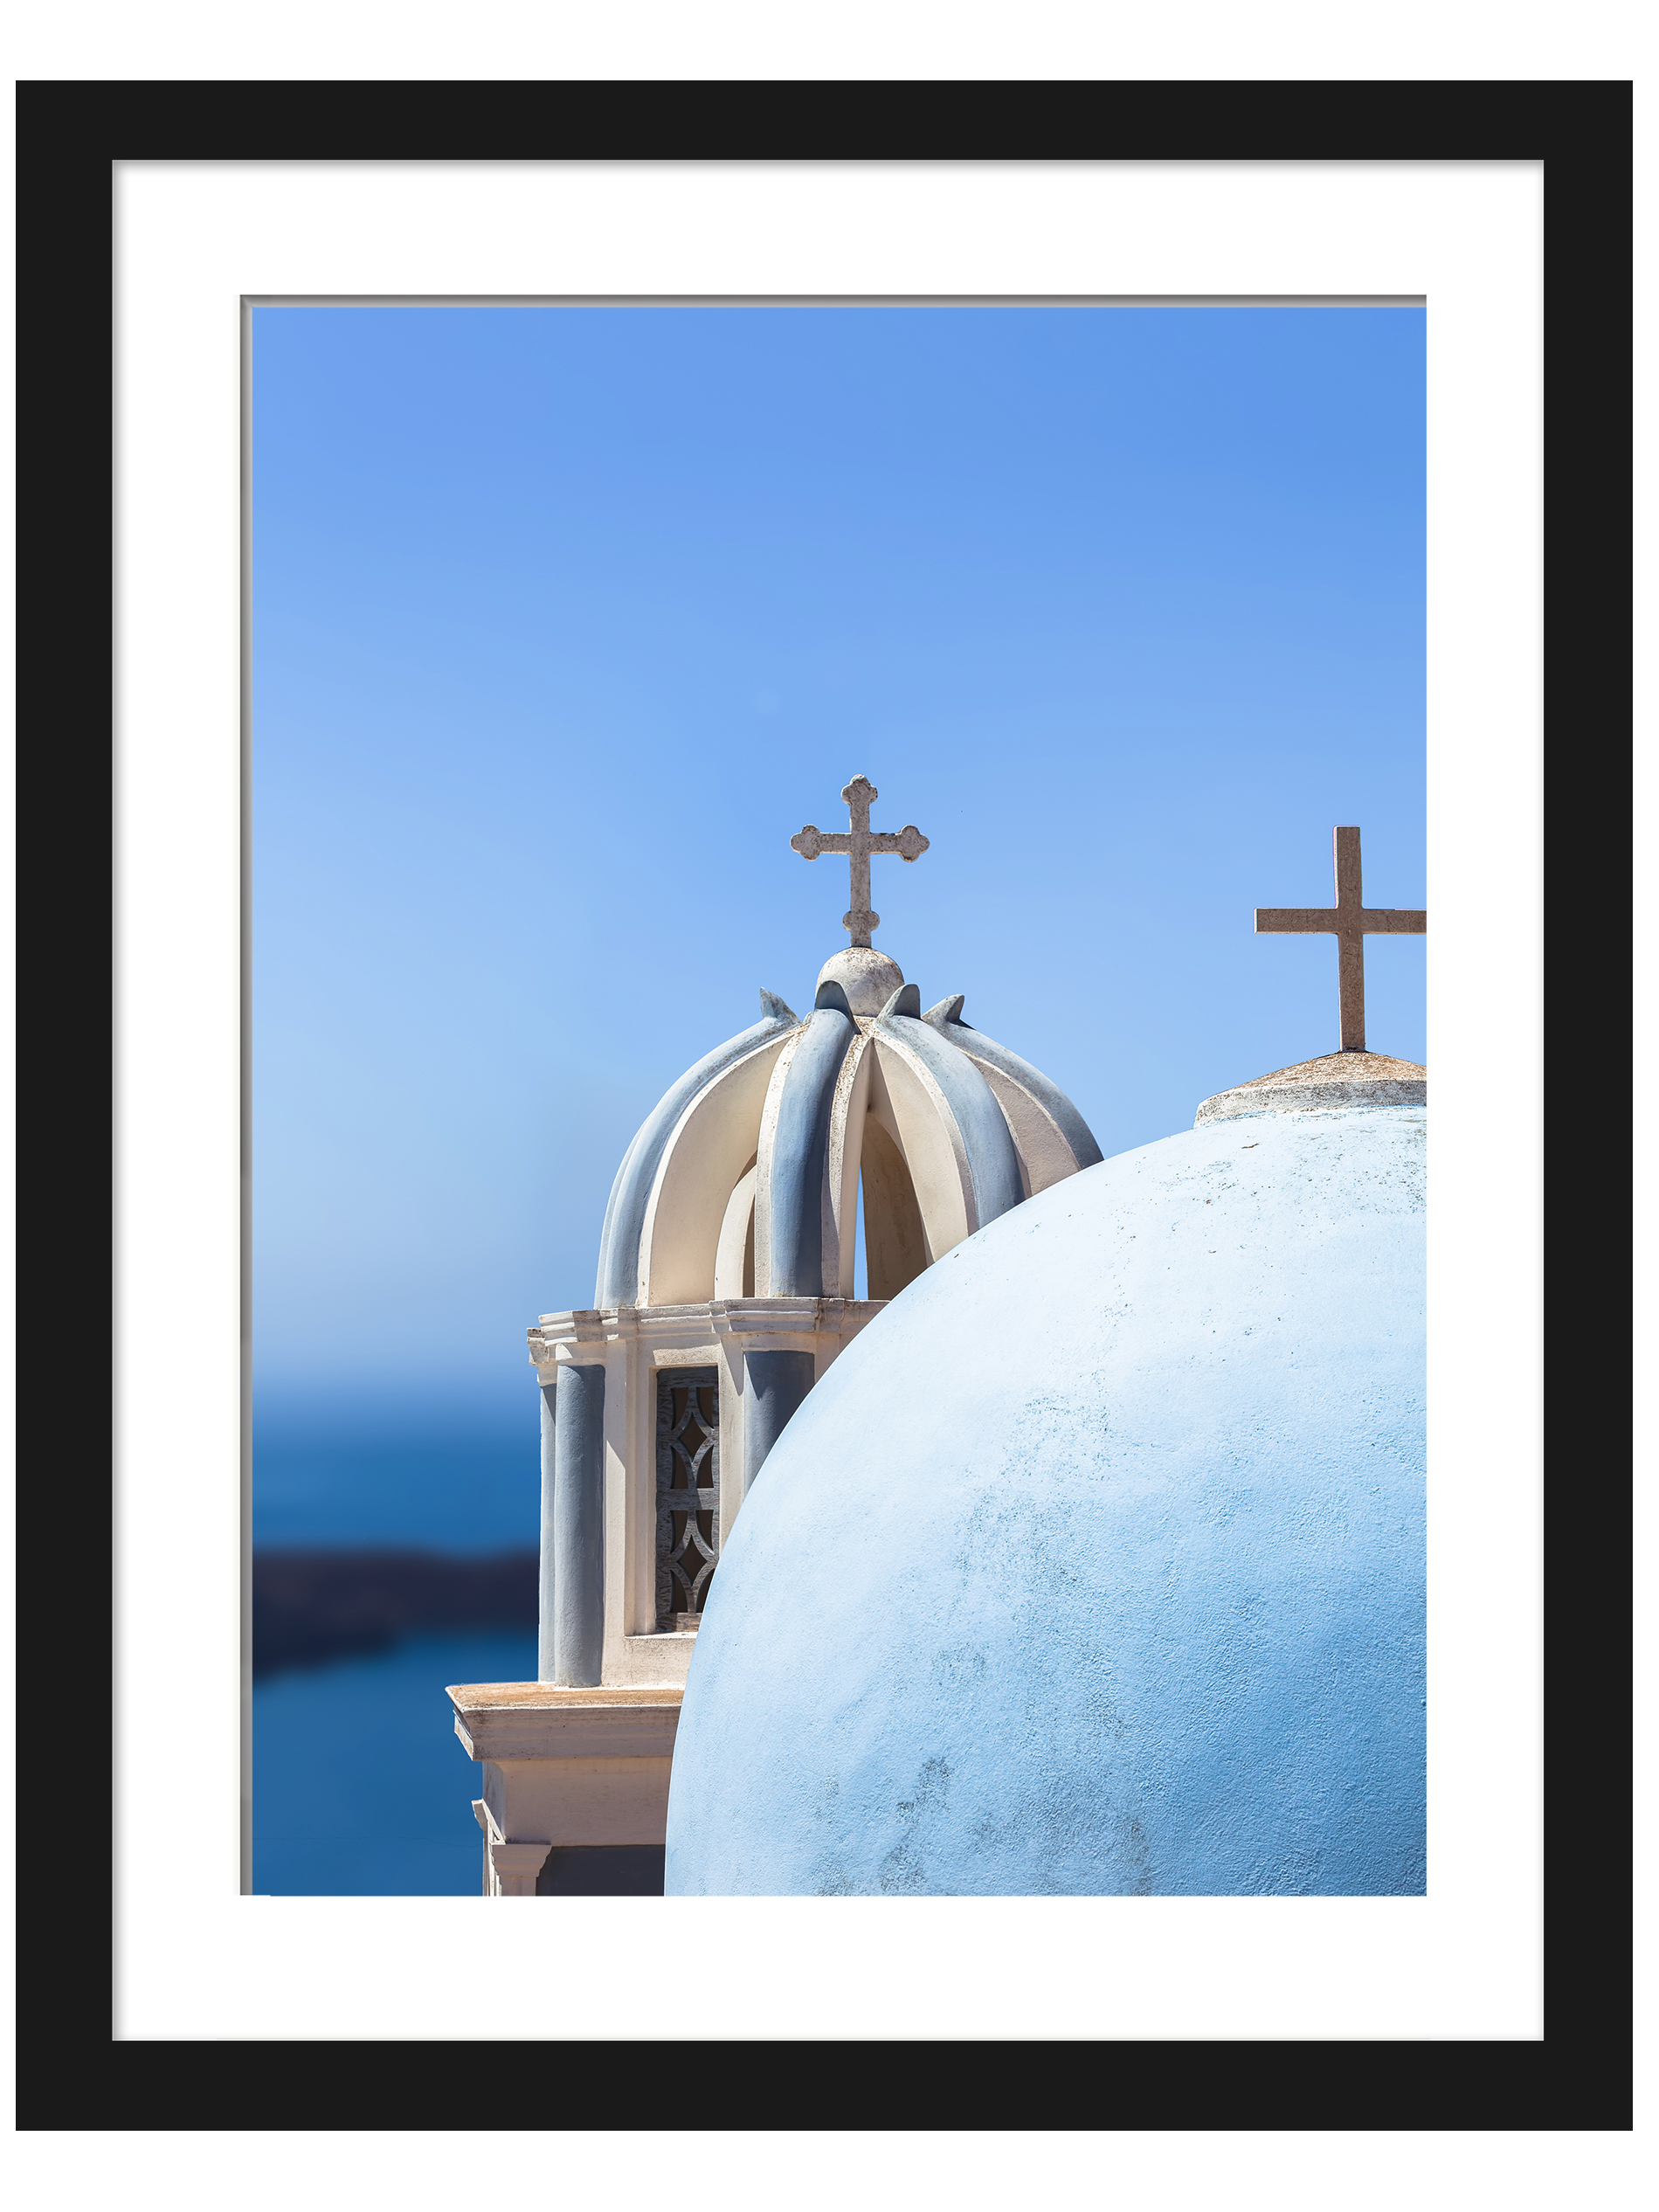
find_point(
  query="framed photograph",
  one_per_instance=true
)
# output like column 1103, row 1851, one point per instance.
column 1437, row 202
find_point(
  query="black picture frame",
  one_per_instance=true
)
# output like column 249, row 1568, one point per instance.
column 72, row 2074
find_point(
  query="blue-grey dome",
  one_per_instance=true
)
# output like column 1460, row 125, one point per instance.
column 744, row 1180
column 1096, row 1565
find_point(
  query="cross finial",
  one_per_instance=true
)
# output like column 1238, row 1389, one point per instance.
column 857, row 845
column 1350, row 921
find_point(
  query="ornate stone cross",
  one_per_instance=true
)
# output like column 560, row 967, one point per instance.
column 1351, row 922
column 908, row 844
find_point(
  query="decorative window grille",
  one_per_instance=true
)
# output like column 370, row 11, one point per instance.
column 688, row 1491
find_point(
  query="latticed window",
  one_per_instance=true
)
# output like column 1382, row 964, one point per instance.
column 688, row 1492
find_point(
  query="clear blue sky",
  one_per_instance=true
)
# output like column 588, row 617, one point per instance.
column 565, row 619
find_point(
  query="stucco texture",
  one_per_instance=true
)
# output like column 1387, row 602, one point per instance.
column 1096, row 1565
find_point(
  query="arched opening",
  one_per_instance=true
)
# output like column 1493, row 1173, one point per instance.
column 896, row 1246
column 734, row 1254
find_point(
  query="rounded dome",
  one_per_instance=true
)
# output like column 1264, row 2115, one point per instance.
column 745, row 1180
column 1096, row 1565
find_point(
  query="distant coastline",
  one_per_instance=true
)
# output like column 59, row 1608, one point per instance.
column 313, row 1604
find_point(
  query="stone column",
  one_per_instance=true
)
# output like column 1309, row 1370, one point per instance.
column 774, row 1385
column 577, row 1565
column 545, row 1606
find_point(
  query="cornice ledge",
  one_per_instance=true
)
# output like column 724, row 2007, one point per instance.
column 536, row 1720
column 584, row 1325
column 792, row 1317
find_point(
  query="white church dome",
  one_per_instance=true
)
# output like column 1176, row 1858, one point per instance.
column 1096, row 1565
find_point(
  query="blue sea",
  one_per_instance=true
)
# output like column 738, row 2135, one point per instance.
column 358, row 1478
column 360, row 1787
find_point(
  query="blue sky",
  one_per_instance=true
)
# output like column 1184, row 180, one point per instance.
column 565, row 619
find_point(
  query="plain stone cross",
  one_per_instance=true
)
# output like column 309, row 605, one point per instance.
column 1351, row 922
column 909, row 843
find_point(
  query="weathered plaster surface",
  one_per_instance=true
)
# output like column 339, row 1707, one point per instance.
column 1096, row 1564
